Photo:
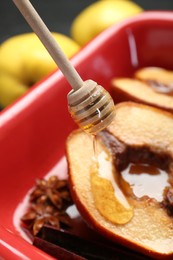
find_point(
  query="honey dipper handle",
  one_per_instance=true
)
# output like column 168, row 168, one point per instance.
column 45, row 36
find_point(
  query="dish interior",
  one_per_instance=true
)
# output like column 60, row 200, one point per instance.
column 32, row 139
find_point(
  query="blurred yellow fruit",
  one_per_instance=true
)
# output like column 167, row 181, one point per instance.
column 24, row 61
column 99, row 16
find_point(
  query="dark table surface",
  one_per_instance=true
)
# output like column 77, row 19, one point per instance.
column 57, row 14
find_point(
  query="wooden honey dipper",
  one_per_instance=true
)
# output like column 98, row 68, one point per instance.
column 90, row 105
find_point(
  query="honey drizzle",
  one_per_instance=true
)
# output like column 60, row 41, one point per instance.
column 95, row 149
column 161, row 87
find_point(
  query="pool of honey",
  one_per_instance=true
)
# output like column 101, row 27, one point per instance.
column 146, row 180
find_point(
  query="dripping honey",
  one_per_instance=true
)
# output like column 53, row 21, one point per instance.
column 95, row 148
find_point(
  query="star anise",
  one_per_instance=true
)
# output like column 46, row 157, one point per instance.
column 48, row 202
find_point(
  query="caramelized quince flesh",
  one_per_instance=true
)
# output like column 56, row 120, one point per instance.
column 150, row 85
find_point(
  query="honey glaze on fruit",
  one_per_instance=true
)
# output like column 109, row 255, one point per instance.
column 159, row 79
column 141, row 174
column 115, row 191
column 146, row 180
column 108, row 197
column 160, row 87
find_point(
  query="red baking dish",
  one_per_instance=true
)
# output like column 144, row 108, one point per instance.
column 34, row 129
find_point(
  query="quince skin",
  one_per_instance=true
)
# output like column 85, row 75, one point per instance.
column 24, row 61
column 99, row 16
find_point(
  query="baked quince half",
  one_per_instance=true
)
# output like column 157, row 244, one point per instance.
column 124, row 189
column 151, row 85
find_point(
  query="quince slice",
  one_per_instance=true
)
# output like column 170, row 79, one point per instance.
column 157, row 75
column 138, row 133
column 152, row 86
